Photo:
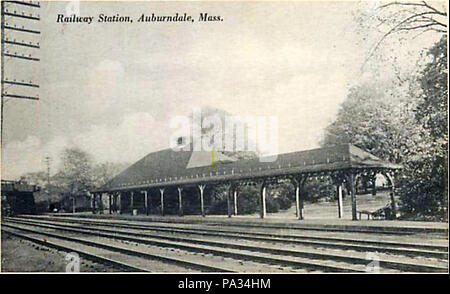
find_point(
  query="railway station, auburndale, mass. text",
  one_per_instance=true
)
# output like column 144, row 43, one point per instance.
column 118, row 18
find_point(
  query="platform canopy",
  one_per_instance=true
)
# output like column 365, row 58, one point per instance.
column 183, row 168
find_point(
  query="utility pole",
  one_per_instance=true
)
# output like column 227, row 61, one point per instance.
column 47, row 162
column 11, row 45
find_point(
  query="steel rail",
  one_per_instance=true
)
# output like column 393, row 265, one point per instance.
column 305, row 242
column 127, row 251
column 187, row 244
column 91, row 256
column 252, row 235
column 232, row 253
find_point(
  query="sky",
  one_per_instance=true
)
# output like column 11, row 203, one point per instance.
column 112, row 89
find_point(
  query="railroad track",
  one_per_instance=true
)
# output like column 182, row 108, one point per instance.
column 237, row 255
column 88, row 255
column 309, row 259
column 363, row 245
column 72, row 244
column 298, row 227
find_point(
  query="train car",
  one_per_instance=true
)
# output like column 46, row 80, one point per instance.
column 17, row 198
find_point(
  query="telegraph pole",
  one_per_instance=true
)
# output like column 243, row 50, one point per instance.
column 47, row 162
column 11, row 12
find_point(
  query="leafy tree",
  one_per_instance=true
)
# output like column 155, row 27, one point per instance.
column 103, row 172
column 76, row 172
column 319, row 188
column 283, row 195
column 217, row 195
column 408, row 129
column 424, row 188
column 432, row 109
column 377, row 117
column 405, row 120
column 35, row 178
column 248, row 200
column 218, row 137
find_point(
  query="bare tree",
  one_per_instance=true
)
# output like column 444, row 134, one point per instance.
column 417, row 16
column 399, row 17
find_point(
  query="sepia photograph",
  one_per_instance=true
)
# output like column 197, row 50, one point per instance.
column 250, row 137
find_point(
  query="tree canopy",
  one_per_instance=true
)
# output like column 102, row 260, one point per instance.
column 405, row 121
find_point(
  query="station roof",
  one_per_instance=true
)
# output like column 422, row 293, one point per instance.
column 168, row 167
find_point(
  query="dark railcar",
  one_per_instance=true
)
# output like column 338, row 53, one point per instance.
column 18, row 198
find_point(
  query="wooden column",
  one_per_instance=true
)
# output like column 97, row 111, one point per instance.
column 229, row 207
column 352, row 183
column 393, row 204
column 93, row 203
column 73, row 205
column 235, row 201
column 110, row 203
column 131, row 201
column 298, row 209
column 392, row 195
column 111, row 197
column 100, row 203
column 299, row 205
column 340, row 202
column 202, row 204
column 262, row 213
column 374, row 185
column 146, row 201
column 161, row 191
column 180, row 201
column 119, row 200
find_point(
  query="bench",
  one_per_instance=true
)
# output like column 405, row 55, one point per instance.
column 366, row 212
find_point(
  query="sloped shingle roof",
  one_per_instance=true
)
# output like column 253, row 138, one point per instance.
column 168, row 167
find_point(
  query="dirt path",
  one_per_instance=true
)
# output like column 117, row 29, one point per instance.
column 24, row 256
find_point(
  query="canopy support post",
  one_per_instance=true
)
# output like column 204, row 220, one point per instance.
column 235, row 201
column 202, row 204
column 110, row 203
column 180, row 202
column 263, row 211
column 299, row 183
column 161, row 191
column 146, row 201
column 392, row 195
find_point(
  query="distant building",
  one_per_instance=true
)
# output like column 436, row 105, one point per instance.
column 74, row 202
